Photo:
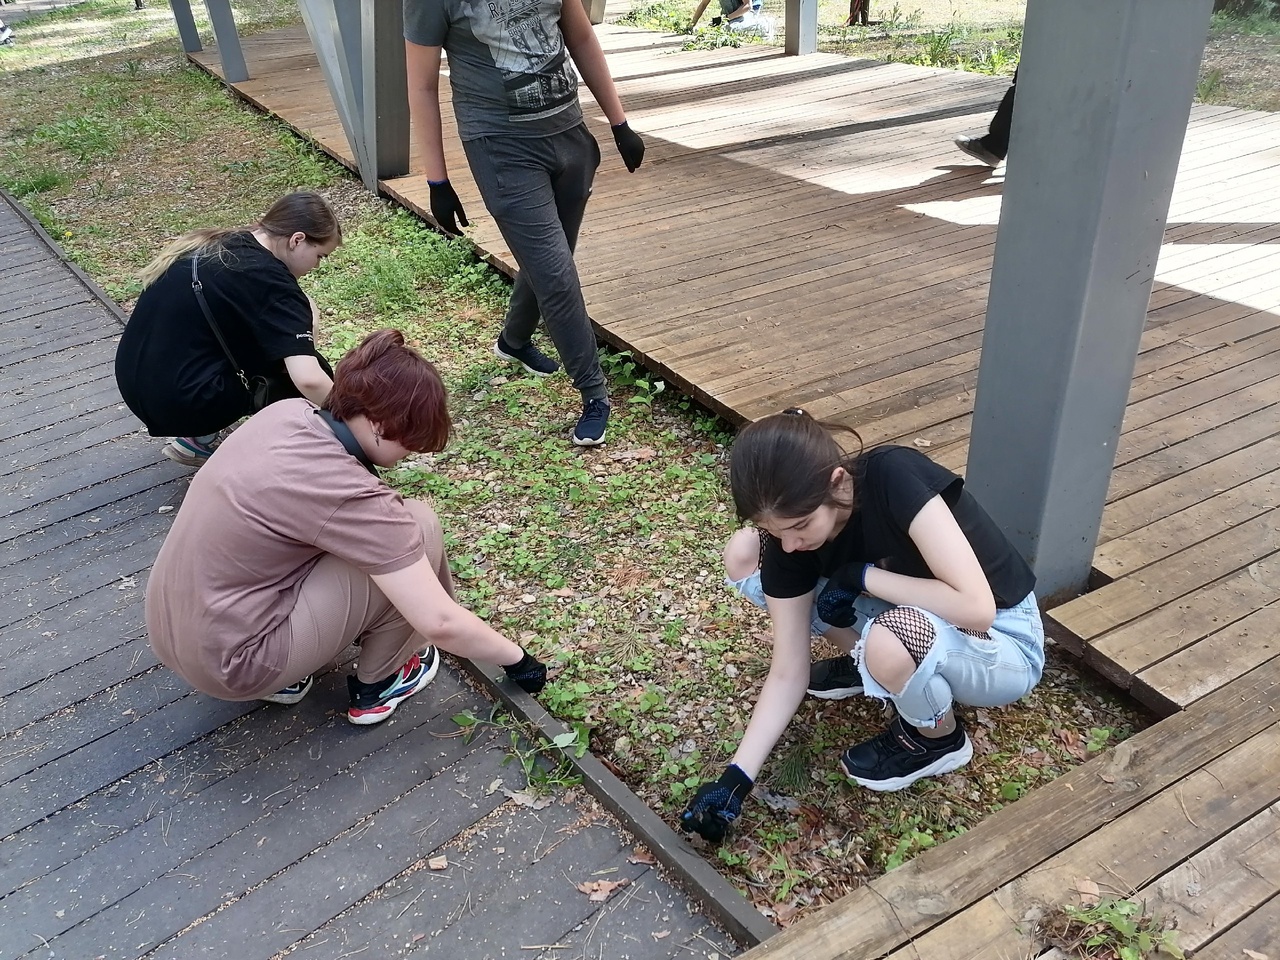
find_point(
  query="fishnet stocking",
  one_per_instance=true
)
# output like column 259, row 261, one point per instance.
column 912, row 628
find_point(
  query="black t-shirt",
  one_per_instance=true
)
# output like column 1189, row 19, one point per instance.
column 893, row 484
column 172, row 372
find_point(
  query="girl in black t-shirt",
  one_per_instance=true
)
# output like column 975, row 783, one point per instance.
column 891, row 543
column 172, row 371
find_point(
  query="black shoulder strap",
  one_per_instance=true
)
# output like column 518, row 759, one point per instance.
column 198, row 288
column 347, row 439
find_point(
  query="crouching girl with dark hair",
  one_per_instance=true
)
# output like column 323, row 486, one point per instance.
column 288, row 548
column 892, row 544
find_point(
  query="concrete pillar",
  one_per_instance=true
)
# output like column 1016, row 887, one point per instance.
column 802, row 26
column 1104, row 93
column 234, row 69
column 386, row 88
column 187, row 31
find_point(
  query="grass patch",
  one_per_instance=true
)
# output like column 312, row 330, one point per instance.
column 605, row 562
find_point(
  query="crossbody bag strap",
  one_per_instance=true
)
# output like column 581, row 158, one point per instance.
column 198, row 288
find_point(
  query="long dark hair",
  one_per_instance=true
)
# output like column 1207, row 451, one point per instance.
column 303, row 212
column 781, row 465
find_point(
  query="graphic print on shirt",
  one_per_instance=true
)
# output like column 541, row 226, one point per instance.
column 524, row 39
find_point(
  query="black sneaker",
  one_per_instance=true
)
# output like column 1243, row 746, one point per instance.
column 835, row 678
column 591, row 425
column 293, row 693
column 896, row 758
column 975, row 148
column 375, row 702
column 528, row 356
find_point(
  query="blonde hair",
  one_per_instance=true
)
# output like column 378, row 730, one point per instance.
column 304, row 212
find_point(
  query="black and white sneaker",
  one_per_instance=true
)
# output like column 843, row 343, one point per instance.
column 591, row 425
column 898, row 757
column 835, row 678
column 293, row 693
column 975, row 148
column 528, row 356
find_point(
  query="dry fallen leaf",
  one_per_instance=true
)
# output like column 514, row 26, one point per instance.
column 922, row 442
column 438, row 863
column 641, row 855
column 1090, row 895
column 660, row 934
column 598, row 891
column 1255, row 955
column 526, row 799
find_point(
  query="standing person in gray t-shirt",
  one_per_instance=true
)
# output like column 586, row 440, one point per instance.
column 515, row 100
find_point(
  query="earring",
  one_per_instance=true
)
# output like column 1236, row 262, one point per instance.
column 377, row 439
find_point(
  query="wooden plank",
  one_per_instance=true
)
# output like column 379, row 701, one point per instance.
column 76, row 682
column 1256, row 933
column 316, row 799
column 1207, row 664
column 1166, row 580
column 1177, row 531
column 29, row 489
column 1199, row 483
column 87, row 500
column 1122, row 653
column 276, row 916
column 1130, row 852
column 262, row 738
column 904, row 903
column 30, row 747
column 75, row 776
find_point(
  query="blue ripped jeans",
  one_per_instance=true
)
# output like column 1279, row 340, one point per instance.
column 987, row 671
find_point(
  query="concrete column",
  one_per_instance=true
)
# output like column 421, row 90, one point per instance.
column 802, row 26
column 187, row 31
column 224, row 32
column 386, row 89
column 595, row 10
column 1104, row 93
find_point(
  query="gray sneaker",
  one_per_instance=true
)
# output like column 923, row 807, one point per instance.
column 835, row 678
column 973, row 146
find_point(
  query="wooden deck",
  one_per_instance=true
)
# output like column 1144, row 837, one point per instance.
column 803, row 232
column 140, row 819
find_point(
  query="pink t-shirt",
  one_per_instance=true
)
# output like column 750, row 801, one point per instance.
column 280, row 492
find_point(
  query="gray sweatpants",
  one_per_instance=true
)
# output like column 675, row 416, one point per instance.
column 536, row 189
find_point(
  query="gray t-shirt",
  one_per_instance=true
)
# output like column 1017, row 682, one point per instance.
column 508, row 64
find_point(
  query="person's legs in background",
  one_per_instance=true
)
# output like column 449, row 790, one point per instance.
column 537, row 192
column 993, row 147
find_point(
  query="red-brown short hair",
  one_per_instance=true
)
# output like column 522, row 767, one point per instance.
column 395, row 387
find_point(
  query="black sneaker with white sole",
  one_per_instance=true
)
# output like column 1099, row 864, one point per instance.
column 835, row 678
column 591, row 425
column 528, row 356
column 975, row 148
column 899, row 757
column 293, row 693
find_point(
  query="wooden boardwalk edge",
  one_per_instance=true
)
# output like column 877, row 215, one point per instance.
column 905, row 904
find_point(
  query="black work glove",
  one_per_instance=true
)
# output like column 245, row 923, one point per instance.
column 445, row 206
column 717, row 21
column 629, row 145
column 717, row 804
column 530, row 674
column 835, row 602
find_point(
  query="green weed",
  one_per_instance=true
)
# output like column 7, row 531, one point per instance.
column 547, row 765
column 1118, row 928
